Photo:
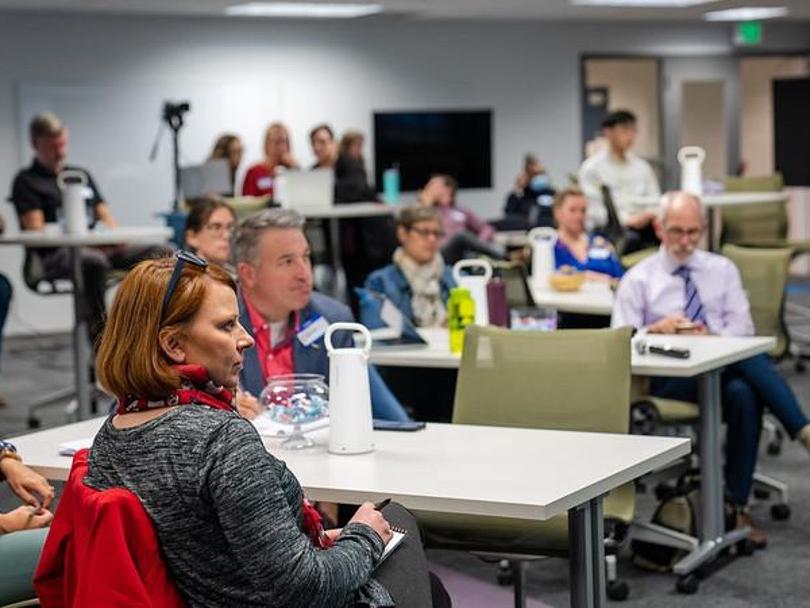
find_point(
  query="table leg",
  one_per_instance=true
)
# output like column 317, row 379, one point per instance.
column 81, row 346
column 713, row 537
column 341, row 285
column 587, row 555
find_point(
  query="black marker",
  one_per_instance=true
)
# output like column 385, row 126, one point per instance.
column 382, row 504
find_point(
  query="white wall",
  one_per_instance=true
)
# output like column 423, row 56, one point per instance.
column 309, row 72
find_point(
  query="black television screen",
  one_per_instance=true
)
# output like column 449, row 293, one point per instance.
column 423, row 143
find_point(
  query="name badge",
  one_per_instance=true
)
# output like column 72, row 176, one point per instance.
column 265, row 183
column 312, row 331
column 599, row 253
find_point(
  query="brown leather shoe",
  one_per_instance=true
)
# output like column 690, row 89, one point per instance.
column 757, row 535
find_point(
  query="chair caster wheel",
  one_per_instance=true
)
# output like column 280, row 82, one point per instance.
column 780, row 512
column 618, row 591
column 505, row 577
column 745, row 547
column 774, row 448
column 688, row 584
column 761, row 494
column 33, row 423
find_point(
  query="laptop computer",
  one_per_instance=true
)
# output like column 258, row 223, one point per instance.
column 301, row 190
column 210, row 177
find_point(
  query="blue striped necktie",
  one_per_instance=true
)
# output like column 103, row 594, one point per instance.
column 693, row 310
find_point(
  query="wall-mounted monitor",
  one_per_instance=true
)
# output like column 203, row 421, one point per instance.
column 422, row 143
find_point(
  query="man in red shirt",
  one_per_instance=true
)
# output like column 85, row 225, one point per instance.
column 282, row 313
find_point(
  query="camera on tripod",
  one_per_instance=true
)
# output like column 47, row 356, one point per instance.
column 174, row 111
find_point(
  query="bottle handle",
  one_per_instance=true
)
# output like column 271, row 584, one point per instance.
column 347, row 326
column 461, row 264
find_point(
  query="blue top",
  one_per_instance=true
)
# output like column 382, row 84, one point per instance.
column 391, row 282
column 601, row 257
column 313, row 358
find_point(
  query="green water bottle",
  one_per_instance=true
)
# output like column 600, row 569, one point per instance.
column 460, row 314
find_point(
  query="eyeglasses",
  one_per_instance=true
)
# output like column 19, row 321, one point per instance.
column 218, row 228
column 183, row 257
column 425, row 233
column 679, row 233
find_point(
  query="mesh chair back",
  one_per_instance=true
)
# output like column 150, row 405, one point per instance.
column 764, row 275
column 754, row 223
column 566, row 380
column 614, row 230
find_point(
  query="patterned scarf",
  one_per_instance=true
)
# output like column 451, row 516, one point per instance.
column 426, row 288
column 197, row 387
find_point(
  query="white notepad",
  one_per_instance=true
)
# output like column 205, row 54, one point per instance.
column 398, row 536
column 69, row 448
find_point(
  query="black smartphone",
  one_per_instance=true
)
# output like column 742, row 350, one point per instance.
column 670, row 351
column 396, row 425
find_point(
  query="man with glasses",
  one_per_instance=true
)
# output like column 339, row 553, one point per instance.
column 684, row 290
column 285, row 316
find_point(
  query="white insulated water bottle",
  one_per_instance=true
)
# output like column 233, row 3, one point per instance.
column 351, row 430
column 73, row 184
column 691, row 159
column 477, row 284
column 542, row 241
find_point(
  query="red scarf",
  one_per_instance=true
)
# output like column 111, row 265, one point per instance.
column 197, row 387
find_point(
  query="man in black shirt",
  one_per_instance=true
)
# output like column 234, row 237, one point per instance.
column 38, row 200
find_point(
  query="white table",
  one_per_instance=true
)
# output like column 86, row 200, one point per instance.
column 715, row 201
column 332, row 215
column 593, row 298
column 460, row 469
column 117, row 236
column 709, row 355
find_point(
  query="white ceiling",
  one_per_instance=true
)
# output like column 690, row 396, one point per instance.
column 422, row 9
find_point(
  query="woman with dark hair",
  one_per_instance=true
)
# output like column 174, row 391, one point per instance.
column 233, row 525
column 209, row 226
column 229, row 147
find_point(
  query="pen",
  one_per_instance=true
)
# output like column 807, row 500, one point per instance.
column 382, row 504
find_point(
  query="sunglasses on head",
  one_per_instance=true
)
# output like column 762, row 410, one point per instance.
column 183, row 257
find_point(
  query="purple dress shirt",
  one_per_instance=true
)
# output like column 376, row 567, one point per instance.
column 650, row 291
column 457, row 219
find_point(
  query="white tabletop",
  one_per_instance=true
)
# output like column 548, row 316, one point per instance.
column 707, row 353
column 111, row 236
column 436, row 354
column 476, row 470
column 723, row 199
column 347, row 210
column 593, row 298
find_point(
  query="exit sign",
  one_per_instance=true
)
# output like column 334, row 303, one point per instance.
column 748, row 33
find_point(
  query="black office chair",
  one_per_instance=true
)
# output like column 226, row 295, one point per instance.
column 614, row 230
column 37, row 280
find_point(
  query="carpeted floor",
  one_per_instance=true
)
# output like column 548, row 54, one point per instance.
column 776, row 577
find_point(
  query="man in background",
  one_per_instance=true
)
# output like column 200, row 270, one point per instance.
column 627, row 176
column 38, row 200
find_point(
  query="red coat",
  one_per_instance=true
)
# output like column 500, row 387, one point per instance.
column 102, row 550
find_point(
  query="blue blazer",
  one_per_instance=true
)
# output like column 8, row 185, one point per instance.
column 313, row 359
column 391, row 282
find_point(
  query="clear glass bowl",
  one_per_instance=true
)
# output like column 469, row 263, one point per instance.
column 296, row 399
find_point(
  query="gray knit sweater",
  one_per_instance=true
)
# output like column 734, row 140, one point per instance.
column 229, row 515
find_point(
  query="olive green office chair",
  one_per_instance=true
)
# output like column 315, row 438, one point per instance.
column 762, row 224
column 19, row 554
column 566, row 380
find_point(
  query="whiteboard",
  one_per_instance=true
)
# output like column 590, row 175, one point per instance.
column 112, row 127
